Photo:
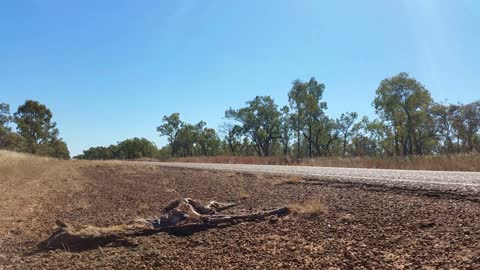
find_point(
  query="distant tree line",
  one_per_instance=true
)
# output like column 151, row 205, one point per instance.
column 409, row 123
column 189, row 139
column 35, row 131
column 128, row 149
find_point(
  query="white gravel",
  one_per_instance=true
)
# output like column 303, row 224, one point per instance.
column 414, row 179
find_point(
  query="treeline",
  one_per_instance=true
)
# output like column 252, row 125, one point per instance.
column 185, row 140
column 35, row 131
column 128, row 149
column 409, row 122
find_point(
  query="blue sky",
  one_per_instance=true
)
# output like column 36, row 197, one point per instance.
column 109, row 70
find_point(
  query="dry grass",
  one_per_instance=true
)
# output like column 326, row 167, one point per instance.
column 14, row 164
column 26, row 180
column 143, row 206
column 295, row 179
column 461, row 162
column 309, row 208
column 233, row 160
column 458, row 162
column 243, row 194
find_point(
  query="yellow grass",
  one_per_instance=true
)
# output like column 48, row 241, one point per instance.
column 309, row 208
column 289, row 180
column 232, row 160
column 26, row 180
column 457, row 162
column 14, row 164
column 243, row 194
column 460, row 162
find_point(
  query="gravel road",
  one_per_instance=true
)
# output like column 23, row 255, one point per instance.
column 455, row 182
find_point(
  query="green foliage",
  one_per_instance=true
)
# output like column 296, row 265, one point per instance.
column 444, row 119
column 5, row 131
column 34, row 124
column 409, row 123
column 188, row 136
column 5, row 116
column 308, row 118
column 163, row 153
column 404, row 103
column 285, row 130
column 128, row 149
column 209, row 142
column 54, row 148
column 171, row 127
column 12, row 141
column 466, row 123
column 36, row 132
column 94, row 153
column 134, row 148
column 260, row 122
column 344, row 125
column 189, row 139
column 232, row 141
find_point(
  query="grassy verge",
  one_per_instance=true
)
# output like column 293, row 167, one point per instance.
column 460, row 162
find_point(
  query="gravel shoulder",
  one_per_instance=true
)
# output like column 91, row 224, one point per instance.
column 466, row 183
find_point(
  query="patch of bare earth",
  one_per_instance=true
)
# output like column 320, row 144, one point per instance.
column 336, row 227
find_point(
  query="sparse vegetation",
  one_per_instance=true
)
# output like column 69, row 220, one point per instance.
column 243, row 194
column 289, row 180
column 310, row 208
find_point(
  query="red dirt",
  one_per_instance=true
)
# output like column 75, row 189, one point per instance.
column 360, row 228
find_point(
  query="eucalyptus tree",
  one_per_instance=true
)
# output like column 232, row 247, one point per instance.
column 285, row 129
column 467, row 125
column 260, row 122
column 308, row 112
column 135, row 148
column 9, row 140
column 443, row 116
column 209, row 142
column 34, row 123
column 233, row 137
column 403, row 102
column 5, row 118
column 171, row 127
column 344, row 125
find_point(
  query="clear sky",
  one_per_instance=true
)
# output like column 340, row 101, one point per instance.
column 109, row 70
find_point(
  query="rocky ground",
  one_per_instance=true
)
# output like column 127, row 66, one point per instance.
column 361, row 227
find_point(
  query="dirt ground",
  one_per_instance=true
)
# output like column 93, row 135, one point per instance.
column 360, row 229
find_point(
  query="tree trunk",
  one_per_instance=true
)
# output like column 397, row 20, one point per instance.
column 298, row 143
column 397, row 146
column 310, row 140
column 266, row 149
